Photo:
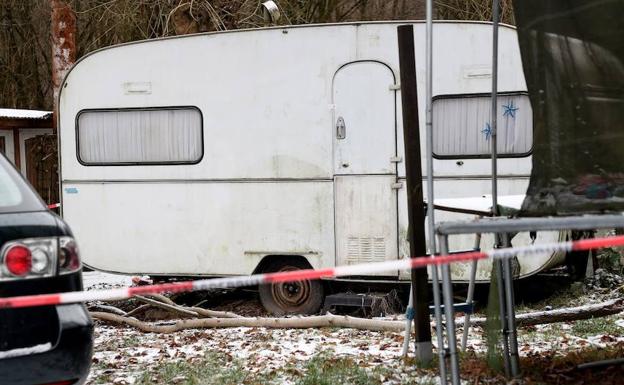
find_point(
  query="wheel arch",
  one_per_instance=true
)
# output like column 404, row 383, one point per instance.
column 272, row 259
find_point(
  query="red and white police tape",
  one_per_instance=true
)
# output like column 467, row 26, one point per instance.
column 289, row 276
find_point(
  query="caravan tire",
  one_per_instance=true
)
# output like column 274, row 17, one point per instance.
column 300, row 297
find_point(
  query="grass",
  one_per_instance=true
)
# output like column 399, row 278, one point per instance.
column 217, row 368
column 568, row 297
column 323, row 369
column 213, row 369
column 595, row 326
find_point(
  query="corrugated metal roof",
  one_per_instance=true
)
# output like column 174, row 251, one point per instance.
column 11, row 113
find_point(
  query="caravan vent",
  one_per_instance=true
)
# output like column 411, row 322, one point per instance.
column 366, row 249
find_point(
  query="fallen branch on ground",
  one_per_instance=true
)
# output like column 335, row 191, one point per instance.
column 138, row 310
column 328, row 320
column 163, row 302
column 601, row 309
column 108, row 309
column 331, row 320
column 172, row 308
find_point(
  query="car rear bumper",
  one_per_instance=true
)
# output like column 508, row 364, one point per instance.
column 68, row 359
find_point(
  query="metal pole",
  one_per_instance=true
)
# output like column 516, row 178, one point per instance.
column 470, row 295
column 429, row 126
column 430, row 206
column 494, row 137
column 512, row 337
column 437, row 301
column 498, row 265
column 415, row 202
column 449, row 313
column 494, row 113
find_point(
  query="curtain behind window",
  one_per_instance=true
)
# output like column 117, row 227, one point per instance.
column 140, row 136
column 461, row 126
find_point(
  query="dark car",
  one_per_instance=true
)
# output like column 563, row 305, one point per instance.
column 38, row 254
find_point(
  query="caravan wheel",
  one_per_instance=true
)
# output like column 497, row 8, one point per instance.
column 300, row 297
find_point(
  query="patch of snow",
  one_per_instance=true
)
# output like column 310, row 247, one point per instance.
column 100, row 280
column 127, row 353
column 24, row 114
column 482, row 203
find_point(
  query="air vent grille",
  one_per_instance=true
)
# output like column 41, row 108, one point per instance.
column 366, row 249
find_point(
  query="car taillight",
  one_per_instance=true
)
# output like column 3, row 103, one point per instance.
column 18, row 260
column 39, row 257
column 69, row 257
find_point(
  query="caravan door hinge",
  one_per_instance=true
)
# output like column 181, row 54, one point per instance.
column 395, row 87
column 396, row 159
column 397, row 185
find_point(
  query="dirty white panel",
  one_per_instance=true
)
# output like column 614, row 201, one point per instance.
column 364, row 123
column 469, row 190
column 199, row 228
column 264, row 96
column 366, row 219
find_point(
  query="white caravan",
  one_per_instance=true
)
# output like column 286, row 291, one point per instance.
column 236, row 152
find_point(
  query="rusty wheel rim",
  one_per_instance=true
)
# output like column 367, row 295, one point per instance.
column 290, row 295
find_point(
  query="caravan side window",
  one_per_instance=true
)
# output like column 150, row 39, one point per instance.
column 462, row 127
column 140, row 136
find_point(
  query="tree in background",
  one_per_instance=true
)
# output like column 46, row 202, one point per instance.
column 25, row 80
column 473, row 10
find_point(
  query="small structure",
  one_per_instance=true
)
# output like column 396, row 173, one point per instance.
column 27, row 139
column 16, row 127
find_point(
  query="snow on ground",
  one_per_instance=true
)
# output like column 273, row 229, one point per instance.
column 123, row 354
column 100, row 280
column 127, row 353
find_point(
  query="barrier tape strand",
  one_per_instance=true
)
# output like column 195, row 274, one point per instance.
column 297, row 275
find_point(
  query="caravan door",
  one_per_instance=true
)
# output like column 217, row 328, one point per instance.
column 364, row 147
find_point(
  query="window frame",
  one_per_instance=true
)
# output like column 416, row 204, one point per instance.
column 484, row 156
column 123, row 109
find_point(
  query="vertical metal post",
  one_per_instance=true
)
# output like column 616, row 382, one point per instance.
column 470, row 295
column 429, row 125
column 503, row 268
column 437, row 303
column 449, row 313
column 494, row 113
column 512, row 335
column 494, row 138
column 430, row 196
column 415, row 201
column 498, row 265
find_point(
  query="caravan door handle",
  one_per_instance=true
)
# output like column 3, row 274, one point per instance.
column 341, row 128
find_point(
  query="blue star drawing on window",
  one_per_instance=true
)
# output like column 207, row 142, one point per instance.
column 510, row 109
column 487, row 131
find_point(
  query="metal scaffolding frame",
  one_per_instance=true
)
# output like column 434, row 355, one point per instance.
column 499, row 226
